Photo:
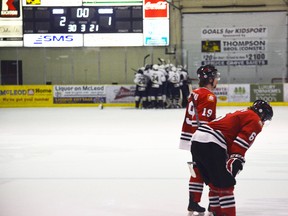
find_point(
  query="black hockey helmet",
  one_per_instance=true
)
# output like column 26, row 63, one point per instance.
column 207, row 71
column 263, row 109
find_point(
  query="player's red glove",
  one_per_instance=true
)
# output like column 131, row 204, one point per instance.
column 235, row 164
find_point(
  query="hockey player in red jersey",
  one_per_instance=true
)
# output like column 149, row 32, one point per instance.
column 201, row 109
column 219, row 148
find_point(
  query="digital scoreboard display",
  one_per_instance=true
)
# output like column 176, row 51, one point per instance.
column 113, row 19
column 95, row 23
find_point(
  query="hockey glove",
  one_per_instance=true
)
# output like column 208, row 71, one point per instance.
column 235, row 164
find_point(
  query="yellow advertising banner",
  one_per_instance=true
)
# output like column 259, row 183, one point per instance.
column 26, row 96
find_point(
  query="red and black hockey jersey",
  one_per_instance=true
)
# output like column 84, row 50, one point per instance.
column 205, row 103
column 234, row 132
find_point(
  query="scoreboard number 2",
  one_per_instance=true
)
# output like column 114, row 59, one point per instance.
column 62, row 21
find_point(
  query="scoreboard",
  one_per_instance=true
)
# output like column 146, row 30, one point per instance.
column 98, row 23
column 114, row 19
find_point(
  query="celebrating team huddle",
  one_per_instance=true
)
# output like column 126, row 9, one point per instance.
column 161, row 86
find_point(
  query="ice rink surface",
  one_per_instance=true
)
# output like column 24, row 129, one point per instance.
column 123, row 162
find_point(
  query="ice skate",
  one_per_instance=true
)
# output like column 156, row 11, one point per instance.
column 195, row 209
column 194, row 213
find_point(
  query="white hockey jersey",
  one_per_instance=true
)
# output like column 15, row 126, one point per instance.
column 157, row 78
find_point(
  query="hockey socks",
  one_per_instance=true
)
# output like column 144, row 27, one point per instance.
column 195, row 192
column 196, row 186
column 222, row 201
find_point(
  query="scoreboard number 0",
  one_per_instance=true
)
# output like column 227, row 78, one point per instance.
column 82, row 13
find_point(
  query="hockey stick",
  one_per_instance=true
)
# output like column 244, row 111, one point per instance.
column 190, row 164
column 196, row 111
column 144, row 62
column 162, row 61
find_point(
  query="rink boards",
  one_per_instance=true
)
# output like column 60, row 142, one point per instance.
column 123, row 95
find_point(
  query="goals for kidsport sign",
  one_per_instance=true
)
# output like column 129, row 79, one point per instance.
column 235, row 45
column 250, row 46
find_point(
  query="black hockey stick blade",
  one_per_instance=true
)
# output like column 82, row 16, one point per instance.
column 161, row 60
column 144, row 63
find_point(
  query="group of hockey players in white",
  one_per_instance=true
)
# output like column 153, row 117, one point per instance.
column 161, row 86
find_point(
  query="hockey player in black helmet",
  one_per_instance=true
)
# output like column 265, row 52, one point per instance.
column 263, row 109
column 219, row 148
column 204, row 101
column 207, row 74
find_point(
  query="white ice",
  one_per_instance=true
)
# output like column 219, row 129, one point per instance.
column 123, row 162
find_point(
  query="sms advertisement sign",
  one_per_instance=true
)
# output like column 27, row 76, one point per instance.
column 53, row 40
